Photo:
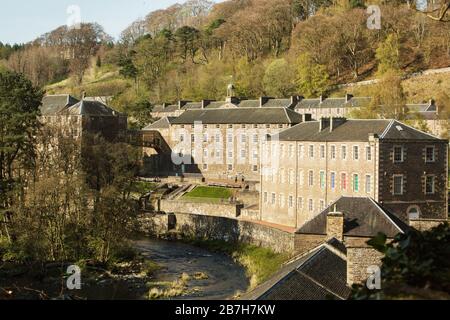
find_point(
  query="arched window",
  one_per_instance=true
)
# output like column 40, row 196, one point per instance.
column 413, row 212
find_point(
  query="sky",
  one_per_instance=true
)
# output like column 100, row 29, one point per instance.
column 24, row 20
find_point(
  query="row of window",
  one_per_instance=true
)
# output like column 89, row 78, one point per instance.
column 333, row 180
column 333, row 152
column 243, row 126
column 230, row 138
column 291, row 202
column 230, row 167
column 399, row 154
column 399, row 181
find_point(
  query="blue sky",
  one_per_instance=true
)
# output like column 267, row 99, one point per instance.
column 24, row 20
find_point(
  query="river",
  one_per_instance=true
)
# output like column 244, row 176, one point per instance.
column 224, row 277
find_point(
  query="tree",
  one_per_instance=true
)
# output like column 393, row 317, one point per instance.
column 279, row 79
column 388, row 55
column 312, row 78
column 416, row 265
column 19, row 109
column 389, row 101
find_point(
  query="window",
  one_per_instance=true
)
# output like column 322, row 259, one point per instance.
column 398, row 154
column 333, row 152
column 243, row 153
column 333, row 180
column 230, row 167
column 344, row 152
column 182, row 138
column 300, row 178
column 230, row 138
column 217, row 126
column 282, row 150
column 265, row 197
column 205, row 138
column 274, row 198
column 255, row 126
column 291, row 176
column 355, row 153
column 369, row 153
column 255, row 154
column 243, row 138
column 300, row 203
column 230, row 126
column 281, row 201
column 311, row 178
column 429, row 184
column 398, row 185
column 205, row 126
column 322, row 152
column 255, row 138
column 356, row 183
column 368, row 183
column 217, row 137
column 255, row 168
column 217, row 153
column 205, row 167
column 344, row 181
column 280, row 126
column 301, row 151
column 291, row 151
column 322, row 179
column 311, row 151
column 291, row 201
column 430, row 155
column 205, row 153
column 414, row 212
column 282, row 178
column 267, row 126
column 244, row 126
column 311, row 205
column 322, row 205
column 230, row 154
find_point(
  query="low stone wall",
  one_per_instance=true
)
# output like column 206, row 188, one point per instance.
column 307, row 242
column 425, row 224
column 359, row 259
column 201, row 208
column 219, row 228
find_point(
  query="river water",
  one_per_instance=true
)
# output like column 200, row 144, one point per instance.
column 224, row 277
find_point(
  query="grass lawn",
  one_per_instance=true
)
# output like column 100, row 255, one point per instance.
column 209, row 192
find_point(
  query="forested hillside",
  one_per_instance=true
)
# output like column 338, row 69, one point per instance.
column 265, row 47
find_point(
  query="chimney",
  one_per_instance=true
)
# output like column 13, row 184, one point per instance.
column 335, row 225
column 233, row 100
column 348, row 97
column 83, row 95
column 324, row 123
column 206, row 103
column 336, row 122
column 322, row 98
column 263, row 101
column 182, row 103
column 165, row 105
column 306, row 117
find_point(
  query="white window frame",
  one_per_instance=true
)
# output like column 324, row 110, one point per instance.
column 356, row 155
column 333, row 152
column 402, row 154
column 434, row 154
column 368, row 183
column 402, row 185
column 369, row 155
column 433, row 184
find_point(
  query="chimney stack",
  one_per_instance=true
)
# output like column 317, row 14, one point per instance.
column 322, row 98
column 348, row 97
column 306, row 117
column 335, row 225
column 336, row 122
column 233, row 100
column 182, row 103
column 83, row 95
column 324, row 123
column 263, row 101
column 206, row 103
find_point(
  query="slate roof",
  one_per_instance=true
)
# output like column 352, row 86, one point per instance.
column 240, row 116
column 91, row 108
column 278, row 103
column 319, row 275
column 363, row 217
column 249, row 104
column 163, row 123
column 53, row 104
column 353, row 130
column 167, row 108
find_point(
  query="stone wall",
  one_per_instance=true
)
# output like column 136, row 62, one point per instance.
column 218, row 228
column 201, row 208
column 359, row 257
column 307, row 242
column 425, row 224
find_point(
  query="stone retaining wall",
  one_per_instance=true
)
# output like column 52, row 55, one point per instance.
column 201, row 208
column 425, row 224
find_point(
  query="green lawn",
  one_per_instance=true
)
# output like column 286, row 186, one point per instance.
column 209, row 192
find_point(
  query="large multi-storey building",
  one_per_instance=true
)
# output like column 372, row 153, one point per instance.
column 403, row 169
column 220, row 143
column 76, row 118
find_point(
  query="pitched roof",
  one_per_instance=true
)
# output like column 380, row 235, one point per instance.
column 353, row 130
column 163, row 123
column 319, row 275
column 363, row 217
column 240, row 116
column 53, row 104
column 91, row 108
column 278, row 103
column 165, row 108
